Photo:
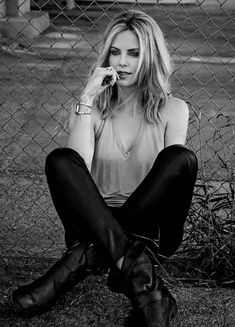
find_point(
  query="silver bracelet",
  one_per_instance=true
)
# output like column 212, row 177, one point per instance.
column 87, row 112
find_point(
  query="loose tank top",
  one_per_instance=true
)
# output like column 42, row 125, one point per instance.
column 117, row 172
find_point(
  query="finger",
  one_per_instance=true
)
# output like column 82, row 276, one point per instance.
column 110, row 68
column 114, row 79
column 107, row 80
column 106, row 75
column 116, row 76
column 104, row 71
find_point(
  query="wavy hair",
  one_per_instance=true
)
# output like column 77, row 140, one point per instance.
column 154, row 67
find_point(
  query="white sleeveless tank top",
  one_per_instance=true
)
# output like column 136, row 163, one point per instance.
column 117, row 173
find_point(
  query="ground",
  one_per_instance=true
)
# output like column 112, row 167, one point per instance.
column 92, row 304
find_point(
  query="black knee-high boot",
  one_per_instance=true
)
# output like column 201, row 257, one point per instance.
column 81, row 260
column 152, row 303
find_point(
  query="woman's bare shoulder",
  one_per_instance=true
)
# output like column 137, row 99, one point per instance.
column 174, row 107
column 174, row 103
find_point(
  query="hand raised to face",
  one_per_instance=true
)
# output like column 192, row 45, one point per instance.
column 101, row 78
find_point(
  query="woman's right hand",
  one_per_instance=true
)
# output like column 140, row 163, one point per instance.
column 101, row 78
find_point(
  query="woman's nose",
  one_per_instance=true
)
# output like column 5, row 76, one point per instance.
column 123, row 61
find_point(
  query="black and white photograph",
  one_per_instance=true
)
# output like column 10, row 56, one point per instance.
column 117, row 163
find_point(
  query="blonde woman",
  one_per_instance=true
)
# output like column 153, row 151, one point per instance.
column 123, row 185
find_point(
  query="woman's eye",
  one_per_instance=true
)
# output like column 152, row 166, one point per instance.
column 134, row 53
column 114, row 52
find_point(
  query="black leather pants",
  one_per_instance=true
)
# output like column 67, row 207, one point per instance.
column 157, row 209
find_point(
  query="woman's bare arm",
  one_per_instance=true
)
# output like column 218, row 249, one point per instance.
column 176, row 115
column 81, row 137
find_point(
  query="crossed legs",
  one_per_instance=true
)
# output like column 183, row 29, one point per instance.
column 157, row 209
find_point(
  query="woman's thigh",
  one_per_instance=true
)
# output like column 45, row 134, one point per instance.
column 162, row 200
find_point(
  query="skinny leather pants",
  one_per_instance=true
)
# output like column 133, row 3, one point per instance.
column 157, row 209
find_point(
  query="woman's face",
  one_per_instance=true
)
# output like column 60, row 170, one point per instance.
column 124, row 57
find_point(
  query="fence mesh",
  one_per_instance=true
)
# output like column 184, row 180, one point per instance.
column 42, row 76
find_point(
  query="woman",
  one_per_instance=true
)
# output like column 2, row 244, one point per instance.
column 123, row 185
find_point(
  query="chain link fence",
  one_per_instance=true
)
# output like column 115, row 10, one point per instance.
column 41, row 77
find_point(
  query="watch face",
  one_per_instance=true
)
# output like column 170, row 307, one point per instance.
column 77, row 107
column 85, row 111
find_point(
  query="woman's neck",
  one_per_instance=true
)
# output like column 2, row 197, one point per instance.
column 129, row 102
column 127, row 93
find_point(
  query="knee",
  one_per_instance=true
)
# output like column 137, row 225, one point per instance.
column 180, row 156
column 57, row 160
column 179, row 150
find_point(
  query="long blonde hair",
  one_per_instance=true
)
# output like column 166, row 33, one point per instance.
column 154, row 67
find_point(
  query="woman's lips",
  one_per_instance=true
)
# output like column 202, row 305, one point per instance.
column 123, row 74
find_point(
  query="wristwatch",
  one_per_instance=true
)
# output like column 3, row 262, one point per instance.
column 83, row 112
